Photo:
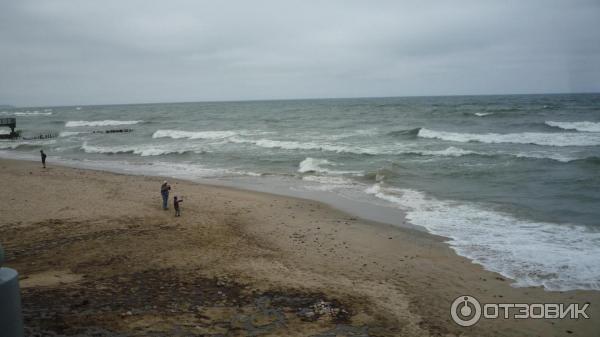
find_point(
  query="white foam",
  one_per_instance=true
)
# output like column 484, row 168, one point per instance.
column 108, row 122
column 547, row 139
column 295, row 145
column 329, row 181
column 177, row 134
column 579, row 126
column 141, row 150
column 69, row 133
column 556, row 256
column 458, row 152
column 483, row 114
column 33, row 113
column 448, row 152
column 313, row 165
column 27, row 113
column 544, row 155
column 11, row 144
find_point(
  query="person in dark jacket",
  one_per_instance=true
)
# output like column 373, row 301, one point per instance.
column 164, row 192
column 43, row 158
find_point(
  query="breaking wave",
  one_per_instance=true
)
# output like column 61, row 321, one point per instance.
column 579, row 126
column 538, row 138
column 532, row 253
column 141, row 150
column 4, row 145
column 313, row 165
column 401, row 133
column 449, row 152
column 177, row 134
column 295, row 145
column 69, row 133
column 27, row 113
column 108, row 122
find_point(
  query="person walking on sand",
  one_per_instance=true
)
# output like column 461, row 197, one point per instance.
column 164, row 192
column 43, row 158
column 176, row 205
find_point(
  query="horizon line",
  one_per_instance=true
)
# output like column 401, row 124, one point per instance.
column 293, row 99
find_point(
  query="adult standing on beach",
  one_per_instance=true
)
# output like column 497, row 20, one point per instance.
column 164, row 192
column 43, row 158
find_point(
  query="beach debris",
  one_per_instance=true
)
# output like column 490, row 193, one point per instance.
column 321, row 308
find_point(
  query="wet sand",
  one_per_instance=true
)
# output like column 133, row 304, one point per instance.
column 98, row 256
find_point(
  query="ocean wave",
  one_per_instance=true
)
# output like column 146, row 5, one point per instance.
column 579, row 126
column 448, row 152
column 295, row 145
column 483, row 114
column 402, row 133
column 549, row 156
column 27, row 113
column 108, row 122
column 178, row 134
column 313, row 165
column 33, row 113
column 545, row 139
column 69, row 133
column 327, row 182
column 531, row 253
column 458, row 152
column 11, row 144
column 141, row 150
column 380, row 175
column 595, row 160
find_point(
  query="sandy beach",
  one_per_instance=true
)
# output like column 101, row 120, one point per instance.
column 98, row 256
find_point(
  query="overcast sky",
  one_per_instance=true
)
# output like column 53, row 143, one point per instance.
column 63, row 52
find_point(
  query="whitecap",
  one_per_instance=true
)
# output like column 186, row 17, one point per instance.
column 177, row 134
column 141, row 150
column 313, row 165
column 108, row 122
column 579, row 126
column 546, row 139
column 33, row 113
column 68, row 133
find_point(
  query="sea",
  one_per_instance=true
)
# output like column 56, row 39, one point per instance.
column 512, row 182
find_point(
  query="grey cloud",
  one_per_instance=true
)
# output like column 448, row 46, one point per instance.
column 92, row 52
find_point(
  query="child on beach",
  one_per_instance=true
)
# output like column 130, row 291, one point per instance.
column 176, row 205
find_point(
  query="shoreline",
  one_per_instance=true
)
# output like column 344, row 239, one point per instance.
column 380, row 209
column 366, row 211
column 387, row 279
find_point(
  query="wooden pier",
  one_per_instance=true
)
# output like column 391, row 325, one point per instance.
column 12, row 124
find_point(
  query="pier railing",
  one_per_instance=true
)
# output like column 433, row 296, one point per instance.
column 10, row 122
